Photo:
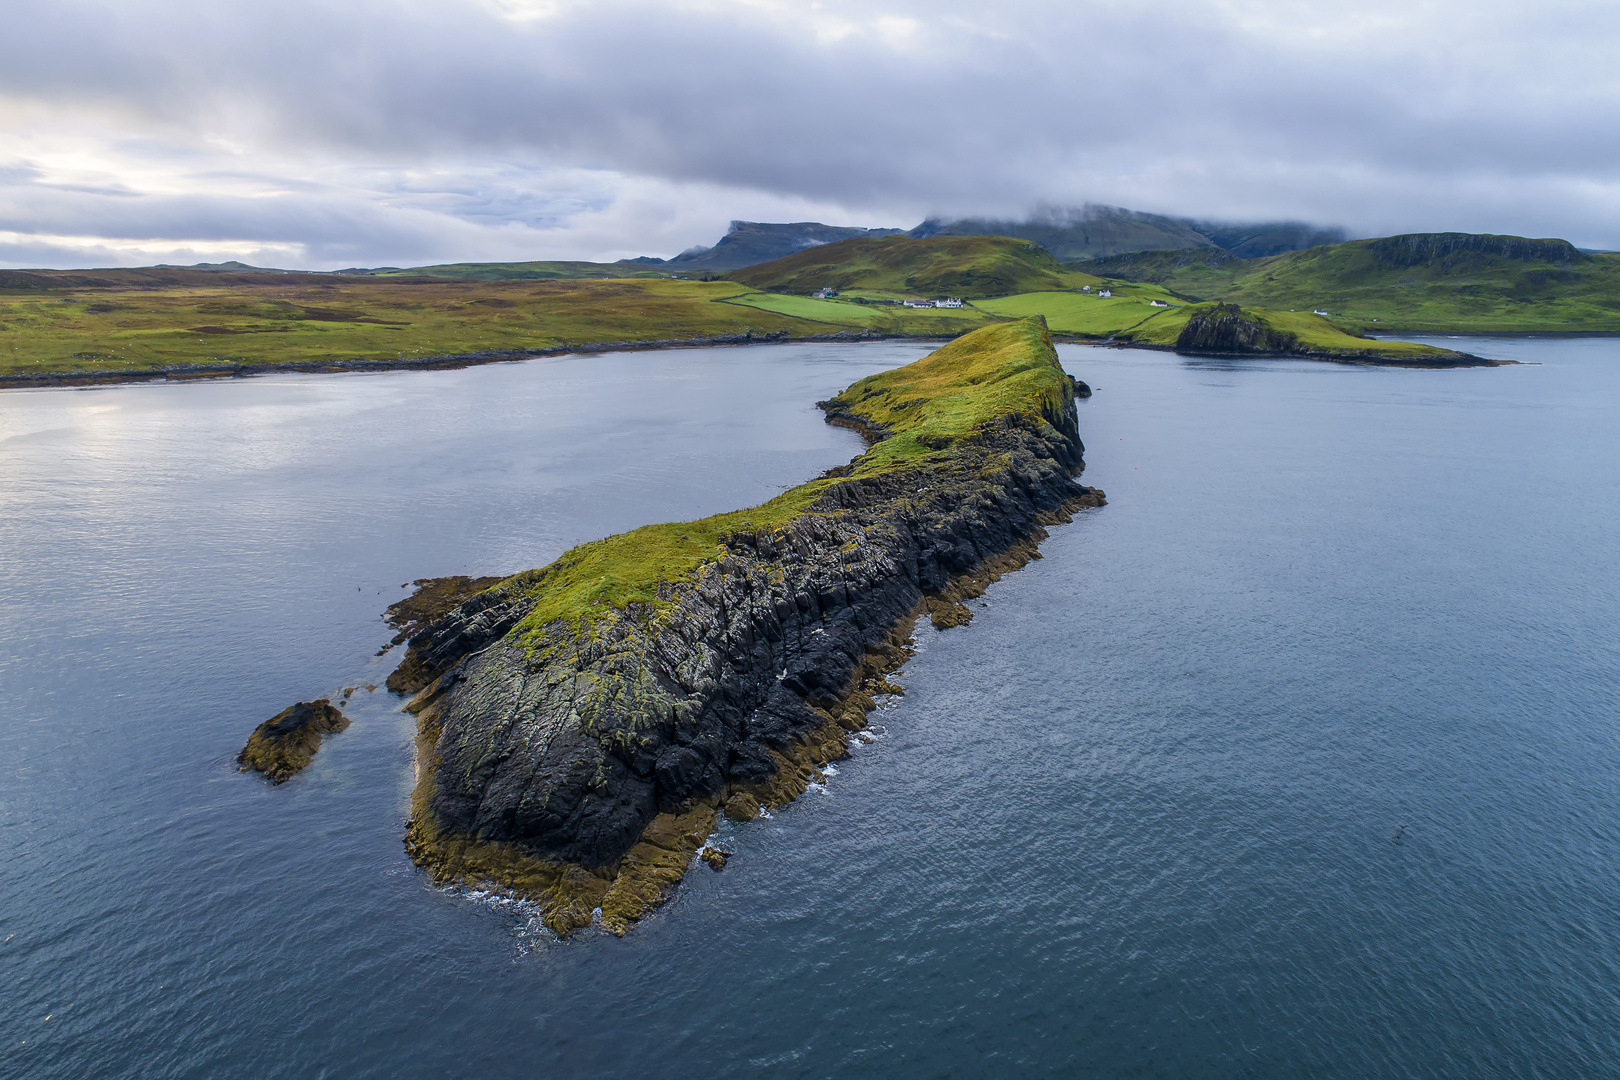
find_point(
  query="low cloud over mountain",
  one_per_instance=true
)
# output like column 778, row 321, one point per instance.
column 304, row 133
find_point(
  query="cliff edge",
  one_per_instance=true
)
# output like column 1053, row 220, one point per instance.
column 581, row 725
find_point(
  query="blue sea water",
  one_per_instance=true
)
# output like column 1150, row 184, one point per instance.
column 1299, row 758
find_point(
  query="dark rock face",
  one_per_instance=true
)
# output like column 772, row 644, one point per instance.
column 1224, row 329
column 286, row 742
column 567, row 745
column 1447, row 249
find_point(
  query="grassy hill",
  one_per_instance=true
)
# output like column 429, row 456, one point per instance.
column 515, row 271
column 1086, row 232
column 105, row 322
column 965, row 266
column 1434, row 282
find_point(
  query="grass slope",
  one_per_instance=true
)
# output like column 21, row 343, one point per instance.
column 1083, row 314
column 1434, row 282
column 926, row 407
column 882, row 318
column 966, row 266
column 101, row 325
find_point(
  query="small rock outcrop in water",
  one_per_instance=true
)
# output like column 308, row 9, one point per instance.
column 286, row 742
column 582, row 726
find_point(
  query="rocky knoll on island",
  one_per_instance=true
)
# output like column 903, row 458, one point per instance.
column 581, row 726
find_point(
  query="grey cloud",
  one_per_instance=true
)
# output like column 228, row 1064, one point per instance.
column 1385, row 117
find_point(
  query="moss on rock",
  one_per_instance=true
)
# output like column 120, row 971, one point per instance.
column 288, row 741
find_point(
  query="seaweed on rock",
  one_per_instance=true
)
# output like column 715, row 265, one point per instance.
column 581, row 726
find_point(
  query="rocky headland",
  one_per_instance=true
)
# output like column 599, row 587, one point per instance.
column 581, row 726
column 1228, row 330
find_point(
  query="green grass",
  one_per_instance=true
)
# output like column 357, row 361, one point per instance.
column 275, row 319
column 927, row 407
column 965, row 266
column 889, row 318
column 1002, row 370
column 1369, row 285
column 1083, row 314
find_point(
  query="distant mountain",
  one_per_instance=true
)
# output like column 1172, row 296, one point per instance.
column 748, row 243
column 232, row 267
column 1094, row 232
column 938, row 266
column 1258, row 241
column 1077, row 233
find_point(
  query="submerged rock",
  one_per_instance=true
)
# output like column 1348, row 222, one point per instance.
column 287, row 742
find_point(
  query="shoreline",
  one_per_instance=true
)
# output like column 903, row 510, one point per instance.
column 182, row 373
column 1354, row 359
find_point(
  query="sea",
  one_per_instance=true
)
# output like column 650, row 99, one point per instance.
column 1299, row 758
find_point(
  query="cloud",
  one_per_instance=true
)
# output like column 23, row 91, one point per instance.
column 407, row 131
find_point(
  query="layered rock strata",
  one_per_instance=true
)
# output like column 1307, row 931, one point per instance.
column 582, row 760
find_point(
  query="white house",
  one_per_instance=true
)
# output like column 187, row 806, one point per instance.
column 1105, row 292
column 823, row 294
column 949, row 301
column 918, row 303
column 1318, row 313
column 1157, row 303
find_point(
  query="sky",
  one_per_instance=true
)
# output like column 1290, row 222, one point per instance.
column 321, row 135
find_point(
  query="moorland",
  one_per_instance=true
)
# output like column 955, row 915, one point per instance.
column 1321, row 302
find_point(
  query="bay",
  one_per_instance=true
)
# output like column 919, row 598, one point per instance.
column 1297, row 758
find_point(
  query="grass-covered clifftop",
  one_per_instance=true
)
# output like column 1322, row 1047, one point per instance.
column 1421, row 282
column 1003, row 370
column 581, row 725
column 1220, row 329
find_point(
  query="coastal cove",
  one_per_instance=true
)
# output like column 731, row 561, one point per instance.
column 1298, row 757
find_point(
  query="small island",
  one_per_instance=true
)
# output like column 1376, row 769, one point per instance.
column 284, row 744
column 582, row 726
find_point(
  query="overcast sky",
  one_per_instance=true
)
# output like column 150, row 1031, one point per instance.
column 326, row 134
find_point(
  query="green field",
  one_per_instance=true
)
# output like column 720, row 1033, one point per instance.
column 119, row 322
column 1082, row 314
column 887, row 318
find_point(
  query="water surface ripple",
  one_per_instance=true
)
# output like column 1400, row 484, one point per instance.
column 1299, row 758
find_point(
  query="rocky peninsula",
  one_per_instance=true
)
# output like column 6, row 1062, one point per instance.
column 581, row 726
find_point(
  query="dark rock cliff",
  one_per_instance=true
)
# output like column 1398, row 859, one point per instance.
column 1447, row 249
column 1224, row 329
